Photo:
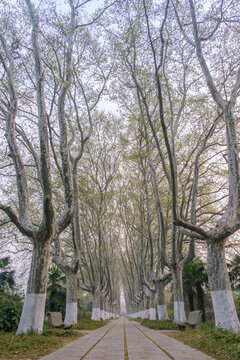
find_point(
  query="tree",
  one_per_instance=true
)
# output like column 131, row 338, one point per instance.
column 80, row 130
column 43, row 230
column 224, row 308
column 234, row 272
column 56, row 293
column 163, row 104
column 194, row 279
column 98, row 274
column 7, row 280
column 10, row 298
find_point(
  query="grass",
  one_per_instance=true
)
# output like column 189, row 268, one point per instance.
column 88, row 324
column 221, row 345
column 158, row 324
column 32, row 346
column 125, row 344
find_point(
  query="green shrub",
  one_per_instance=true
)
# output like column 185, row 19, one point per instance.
column 84, row 314
column 88, row 324
column 159, row 324
column 10, row 311
column 171, row 313
column 60, row 333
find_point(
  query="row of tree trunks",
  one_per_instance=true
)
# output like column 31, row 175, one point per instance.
column 147, row 307
column 102, row 309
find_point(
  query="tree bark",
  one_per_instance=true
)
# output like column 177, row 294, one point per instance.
column 222, row 299
column 200, row 300
column 152, row 310
column 96, row 306
column 33, row 310
column 71, row 303
column 161, row 305
column 178, row 299
column 142, row 309
column 102, row 309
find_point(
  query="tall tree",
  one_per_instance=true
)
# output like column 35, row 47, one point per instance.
column 6, row 274
column 49, row 227
column 162, row 103
column 224, row 308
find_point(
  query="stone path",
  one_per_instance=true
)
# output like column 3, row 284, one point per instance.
column 139, row 342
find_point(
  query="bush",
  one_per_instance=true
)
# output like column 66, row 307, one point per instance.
column 159, row 324
column 171, row 313
column 10, row 311
column 84, row 314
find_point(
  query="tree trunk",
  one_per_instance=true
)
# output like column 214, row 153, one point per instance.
column 142, row 309
column 222, row 299
column 200, row 300
column 102, row 310
column 96, row 306
column 71, row 303
column 190, row 301
column 178, row 299
column 106, row 309
column 146, row 307
column 152, row 311
column 161, row 305
column 32, row 316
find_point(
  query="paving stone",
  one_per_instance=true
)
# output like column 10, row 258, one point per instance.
column 176, row 349
column 140, row 347
column 107, row 343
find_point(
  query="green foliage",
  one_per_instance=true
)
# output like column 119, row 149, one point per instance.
column 194, row 279
column 56, row 292
column 234, row 275
column 194, row 273
column 6, row 275
column 10, row 311
column 59, row 333
column 84, row 304
column 234, row 272
column 88, row 324
column 159, row 324
column 84, row 314
column 11, row 302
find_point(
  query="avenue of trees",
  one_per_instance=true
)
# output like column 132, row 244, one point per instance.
column 124, row 199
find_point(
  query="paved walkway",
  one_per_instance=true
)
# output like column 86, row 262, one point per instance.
column 141, row 343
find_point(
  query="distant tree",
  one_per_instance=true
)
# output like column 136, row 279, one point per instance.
column 6, row 275
column 234, row 272
column 187, row 286
column 194, row 279
column 56, row 292
column 10, row 298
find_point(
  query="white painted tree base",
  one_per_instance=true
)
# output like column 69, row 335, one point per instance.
column 152, row 314
column 135, row 315
column 71, row 313
column 179, row 312
column 146, row 314
column 107, row 315
column 95, row 314
column 162, row 312
column 224, row 311
column 102, row 315
column 32, row 314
